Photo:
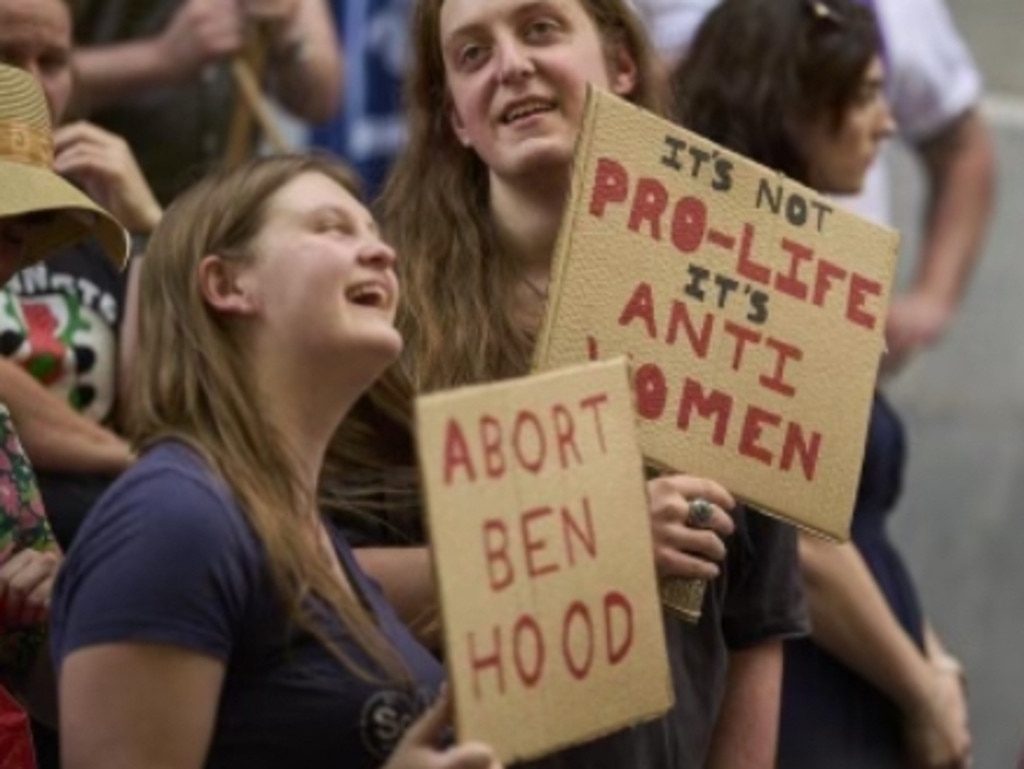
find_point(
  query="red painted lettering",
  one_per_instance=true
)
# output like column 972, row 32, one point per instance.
column 651, row 391
column 753, row 426
column 611, row 185
column 640, row 305
column 578, row 667
column 490, row 442
column 617, row 646
column 585, row 534
column 699, row 342
column 499, row 566
column 745, row 265
column 689, row 223
column 456, row 454
column 827, row 273
column 649, row 206
column 565, row 434
column 783, row 354
column 742, row 335
column 533, row 544
column 860, row 289
column 480, row 662
column 796, row 445
column 529, row 675
column 536, row 462
column 791, row 283
column 715, row 404
column 594, row 402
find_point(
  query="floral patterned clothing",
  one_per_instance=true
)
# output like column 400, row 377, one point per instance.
column 23, row 525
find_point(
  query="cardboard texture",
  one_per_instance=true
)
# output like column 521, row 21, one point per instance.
column 752, row 310
column 542, row 550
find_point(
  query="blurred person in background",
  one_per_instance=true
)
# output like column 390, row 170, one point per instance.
column 40, row 212
column 369, row 129
column 159, row 73
column 935, row 90
column 798, row 85
column 65, row 338
column 63, row 321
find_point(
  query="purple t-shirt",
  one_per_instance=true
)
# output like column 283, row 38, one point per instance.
column 168, row 557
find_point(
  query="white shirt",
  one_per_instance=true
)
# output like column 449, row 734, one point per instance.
column 932, row 78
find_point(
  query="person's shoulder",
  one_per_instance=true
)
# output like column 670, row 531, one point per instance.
column 86, row 256
column 81, row 259
column 164, row 557
column 169, row 493
column 921, row 34
column 933, row 77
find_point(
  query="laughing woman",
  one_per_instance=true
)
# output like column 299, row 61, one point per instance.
column 496, row 98
column 208, row 615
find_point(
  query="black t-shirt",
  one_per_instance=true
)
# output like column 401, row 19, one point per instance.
column 63, row 324
column 167, row 557
column 60, row 319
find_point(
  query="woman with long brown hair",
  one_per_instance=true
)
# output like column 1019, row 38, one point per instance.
column 208, row 615
column 495, row 102
column 798, row 85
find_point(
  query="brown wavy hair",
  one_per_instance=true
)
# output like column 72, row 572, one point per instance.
column 757, row 69
column 194, row 385
column 458, row 315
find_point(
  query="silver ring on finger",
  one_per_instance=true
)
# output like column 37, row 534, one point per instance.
column 700, row 514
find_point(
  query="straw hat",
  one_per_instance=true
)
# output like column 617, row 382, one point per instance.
column 28, row 184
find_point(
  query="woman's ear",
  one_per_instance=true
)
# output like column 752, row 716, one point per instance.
column 224, row 287
column 624, row 73
column 458, row 127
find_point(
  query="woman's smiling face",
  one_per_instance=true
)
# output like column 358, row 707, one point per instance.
column 517, row 73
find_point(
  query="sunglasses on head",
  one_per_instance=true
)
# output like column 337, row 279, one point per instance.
column 820, row 9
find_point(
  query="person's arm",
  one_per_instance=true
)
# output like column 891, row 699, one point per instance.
column 306, row 66
column 129, row 705
column 406, row 576
column 851, row 620
column 200, row 32
column 407, row 579
column 104, row 165
column 26, row 585
column 960, row 164
column 54, row 435
column 681, row 549
column 939, row 656
column 746, row 732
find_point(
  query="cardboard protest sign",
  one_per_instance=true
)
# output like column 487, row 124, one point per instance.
column 542, row 550
column 752, row 309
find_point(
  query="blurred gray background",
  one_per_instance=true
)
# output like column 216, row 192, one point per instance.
column 961, row 521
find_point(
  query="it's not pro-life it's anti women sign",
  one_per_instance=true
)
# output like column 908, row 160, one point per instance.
column 752, row 310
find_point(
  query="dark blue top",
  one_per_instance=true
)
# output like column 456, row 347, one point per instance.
column 830, row 715
column 168, row 557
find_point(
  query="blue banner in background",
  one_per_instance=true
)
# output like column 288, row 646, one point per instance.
column 369, row 131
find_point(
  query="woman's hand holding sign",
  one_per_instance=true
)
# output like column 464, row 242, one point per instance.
column 420, row 746
column 682, row 548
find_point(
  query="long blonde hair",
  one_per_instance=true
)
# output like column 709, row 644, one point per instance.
column 194, row 384
column 458, row 315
